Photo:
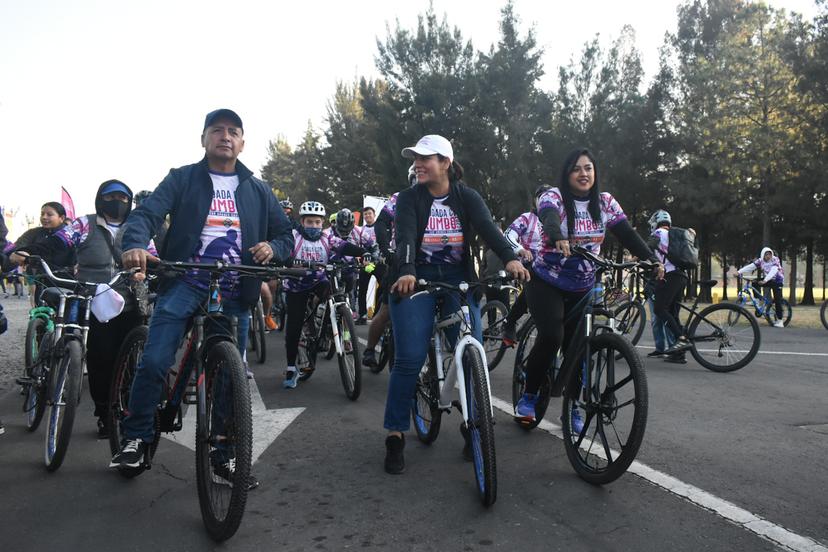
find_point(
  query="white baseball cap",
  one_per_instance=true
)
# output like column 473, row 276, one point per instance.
column 429, row 145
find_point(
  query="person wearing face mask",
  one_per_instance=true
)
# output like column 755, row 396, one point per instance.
column 311, row 245
column 95, row 240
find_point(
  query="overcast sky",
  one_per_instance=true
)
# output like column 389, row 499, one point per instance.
column 96, row 90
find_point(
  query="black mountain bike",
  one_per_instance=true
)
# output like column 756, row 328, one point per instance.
column 211, row 377
column 601, row 378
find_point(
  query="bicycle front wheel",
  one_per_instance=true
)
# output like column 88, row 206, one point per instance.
column 63, row 397
column 725, row 337
column 34, row 397
column 224, row 440
column 630, row 320
column 787, row 312
column 492, row 319
column 480, row 425
column 306, row 354
column 350, row 369
column 386, row 353
column 604, row 426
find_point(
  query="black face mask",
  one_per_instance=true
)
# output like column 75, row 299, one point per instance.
column 115, row 209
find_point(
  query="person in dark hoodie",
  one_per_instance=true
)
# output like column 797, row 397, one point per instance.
column 95, row 240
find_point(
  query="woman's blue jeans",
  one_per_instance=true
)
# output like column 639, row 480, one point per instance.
column 413, row 321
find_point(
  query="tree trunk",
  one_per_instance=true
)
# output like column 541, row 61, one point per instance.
column 808, row 294
column 792, row 282
column 706, row 270
column 724, row 277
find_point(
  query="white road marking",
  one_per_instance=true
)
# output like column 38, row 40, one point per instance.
column 753, row 523
column 267, row 424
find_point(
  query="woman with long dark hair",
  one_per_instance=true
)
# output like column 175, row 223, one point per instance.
column 574, row 213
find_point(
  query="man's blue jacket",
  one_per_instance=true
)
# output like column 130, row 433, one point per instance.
column 186, row 195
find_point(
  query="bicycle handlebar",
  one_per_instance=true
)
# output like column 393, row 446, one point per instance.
column 221, row 267
column 606, row 263
column 45, row 266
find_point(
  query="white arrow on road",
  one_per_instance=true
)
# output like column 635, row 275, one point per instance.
column 267, row 424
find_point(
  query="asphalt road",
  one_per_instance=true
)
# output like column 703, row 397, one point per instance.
column 754, row 439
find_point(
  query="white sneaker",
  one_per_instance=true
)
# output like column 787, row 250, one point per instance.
column 778, row 324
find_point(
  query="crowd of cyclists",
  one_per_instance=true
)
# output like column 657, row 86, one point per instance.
column 217, row 210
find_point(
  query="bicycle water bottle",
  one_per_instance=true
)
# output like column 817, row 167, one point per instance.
column 597, row 293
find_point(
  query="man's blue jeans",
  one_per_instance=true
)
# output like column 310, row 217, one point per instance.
column 173, row 309
column 413, row 321
column 662, row 336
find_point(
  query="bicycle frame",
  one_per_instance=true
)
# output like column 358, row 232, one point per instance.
column 759, row 301
column 456, row 375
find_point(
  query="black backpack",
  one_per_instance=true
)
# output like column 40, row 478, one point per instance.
column 682, row 249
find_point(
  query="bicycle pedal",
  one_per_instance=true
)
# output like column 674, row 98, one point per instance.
column 25, row 381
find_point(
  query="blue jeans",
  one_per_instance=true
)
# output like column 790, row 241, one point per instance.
column 662, row 336
column 173, row 309
column 413, row 321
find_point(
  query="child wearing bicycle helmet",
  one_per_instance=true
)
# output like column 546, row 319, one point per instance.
column 773, row 277
column 311, row 245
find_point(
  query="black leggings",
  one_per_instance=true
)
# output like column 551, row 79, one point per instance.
column 296, row 303
column 518, row 309
column 102, row 345
column 667, row 294
column 548, row 305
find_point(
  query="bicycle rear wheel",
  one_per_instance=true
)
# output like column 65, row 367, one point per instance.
column 823, row 314
column 386, row 354
column 492, row 319
column 224, row 440
column 350, row 367
column 65, row 381
column 725, row 337
column 630, row 320
column 480, row 425
column 126, row 364
column 612, row 408
column 34, row 396
column 787, row 312
column 306, row 354
column 426, row 413
column 526, row 340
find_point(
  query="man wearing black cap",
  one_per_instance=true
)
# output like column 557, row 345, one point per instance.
column 95, row 238
column 217, row 211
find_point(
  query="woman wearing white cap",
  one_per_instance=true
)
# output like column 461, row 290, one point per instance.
column 436, row 223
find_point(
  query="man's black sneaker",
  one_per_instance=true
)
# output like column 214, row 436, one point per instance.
column 681, row 344
column 130, row 456
column 467, row 449
column 394, row 459
column 655, row 354
column 223, row 475
column 677, row 358
column 369, row 358
column 103, row 428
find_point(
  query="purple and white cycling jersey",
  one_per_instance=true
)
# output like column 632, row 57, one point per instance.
column 575, row 273
column 319, row 251
column 526, row 232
